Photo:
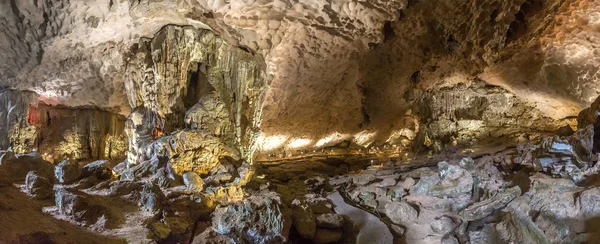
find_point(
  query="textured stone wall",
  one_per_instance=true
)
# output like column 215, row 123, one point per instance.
column 59, row 132
column 185, row 77
column 340, row 69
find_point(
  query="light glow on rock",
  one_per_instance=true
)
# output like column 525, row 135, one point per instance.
column 332, row 139
column 268, row 143
column 364, row 138
column 299, row 143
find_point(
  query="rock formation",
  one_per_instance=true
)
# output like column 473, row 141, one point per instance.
column 244, row 121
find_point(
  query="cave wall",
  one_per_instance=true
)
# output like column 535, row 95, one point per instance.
column 60, row 132
column 189, row 78
column 343, row 72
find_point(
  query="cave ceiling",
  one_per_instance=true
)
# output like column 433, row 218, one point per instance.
column 361, row 71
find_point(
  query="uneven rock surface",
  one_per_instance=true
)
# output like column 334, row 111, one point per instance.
column 332, row 64
column 255, row 121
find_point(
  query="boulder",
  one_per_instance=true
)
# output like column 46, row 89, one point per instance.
column 38, row 186
column 467, row 163
column 330, row 220
column 16, row 166
column 193, row 182
column 304, row 220
column 78, row 207
column 363, row 179
column 324, row 235
column 372, row 203
column 260, row 218
column 589, row 202
column 407, row 183
column 450, row 240
column 484, row 208
column 123, row 187
column 101, row 169
column 161, row 178
column 443, row 225
column 401, row 212
column 67, row 172
column 454, row 181
column 151, row 198
column 425, row 183
column 517, row 227
column 396, row 192
column 120, row 168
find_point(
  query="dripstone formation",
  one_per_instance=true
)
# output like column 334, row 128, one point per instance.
column 385, row 121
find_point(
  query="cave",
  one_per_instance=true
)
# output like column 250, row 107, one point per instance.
column 384, row 121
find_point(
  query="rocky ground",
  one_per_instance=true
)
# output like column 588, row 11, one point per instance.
column 534, row 193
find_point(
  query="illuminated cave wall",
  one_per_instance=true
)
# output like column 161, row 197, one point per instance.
column 60, row 132
column 342, row 74
column 445, row 73
column 189, row 78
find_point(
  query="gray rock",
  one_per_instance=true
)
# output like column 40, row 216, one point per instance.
column 396, row 192
column 151, row 198
column 487, row 235
column 324, row 235
column 161, row 178
column 386, row 182
column 425, row 183
column 120, row 168
column 401, row 212
column 407, row 183
column 517, row 227
column 193, row 182
column 78, row 207
column 38, row 186
column 589, row 202
column 304, row 221
column 330, row 221
column 366, row 196
column 260, row 218
column 450, row 240
column 245, row 172
column 363, row 179
column 372, row 203
column 454, row 181
column 67, row 172
column 100, row 168
column 443, row 225
column 123, row 187
column 467, row 163
column 484, row 208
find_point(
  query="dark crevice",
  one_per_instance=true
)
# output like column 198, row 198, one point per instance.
column 388, row 31
column 246, row 49
column 494, row 15
column 518, row 27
